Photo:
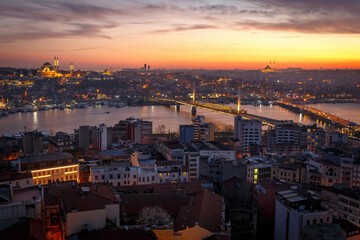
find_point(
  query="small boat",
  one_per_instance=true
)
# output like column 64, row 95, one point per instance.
column 107, row 112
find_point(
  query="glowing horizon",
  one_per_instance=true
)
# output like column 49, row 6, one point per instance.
column 214, row 34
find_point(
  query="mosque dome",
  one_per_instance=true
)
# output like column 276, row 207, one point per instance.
column 47, row 64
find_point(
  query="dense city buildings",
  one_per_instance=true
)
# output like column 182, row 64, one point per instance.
column 244, row 155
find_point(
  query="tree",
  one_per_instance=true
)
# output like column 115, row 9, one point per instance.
column 154, row 216
column 160, row 129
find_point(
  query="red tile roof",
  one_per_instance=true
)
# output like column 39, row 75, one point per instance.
column 74, row 200
column 204, row 209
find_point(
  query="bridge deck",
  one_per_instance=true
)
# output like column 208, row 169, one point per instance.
column 224, row 110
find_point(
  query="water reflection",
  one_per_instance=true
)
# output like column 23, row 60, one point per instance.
column 68, row 119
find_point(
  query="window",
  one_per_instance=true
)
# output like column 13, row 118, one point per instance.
column 17, row 184
column 27, row 181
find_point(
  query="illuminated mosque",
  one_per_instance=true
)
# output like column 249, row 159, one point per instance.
column 269, row 68
column 49, row 71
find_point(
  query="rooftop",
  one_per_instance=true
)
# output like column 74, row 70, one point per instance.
column 113, row 153
column 75, row 200
column 45, row 158
column 205, row 210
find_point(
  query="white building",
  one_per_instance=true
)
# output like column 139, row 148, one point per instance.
column 118, row 174
column 86, row 210
column 294, row 211
column 99, row 137
column 248, row 132
column 124, row 175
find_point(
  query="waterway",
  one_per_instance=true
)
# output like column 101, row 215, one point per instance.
column 68, row 119
column 348, row 111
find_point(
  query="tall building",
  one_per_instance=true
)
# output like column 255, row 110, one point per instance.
column 248, row 132
column 33, row 142
column 139, row 131
column 203, row 131
column 84, row 137
column 186, row 133
column 145, row 67
column 99, row 136
column 287, row 132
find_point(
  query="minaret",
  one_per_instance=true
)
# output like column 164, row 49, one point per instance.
column 71, row 68
column 194, row 93
column 238, row 103
column 274, row 65
column 57, row 63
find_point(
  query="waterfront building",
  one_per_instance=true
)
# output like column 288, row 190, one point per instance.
column 248, row 132
column 84, row 137
column 99, row 137
column 139, row 131
column 203, row 131
column 33, row 142
column 186, row 133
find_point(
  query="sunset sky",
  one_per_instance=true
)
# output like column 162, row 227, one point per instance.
column 210, row 34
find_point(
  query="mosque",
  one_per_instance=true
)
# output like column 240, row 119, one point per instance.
column 269, row 68
column 49, row 71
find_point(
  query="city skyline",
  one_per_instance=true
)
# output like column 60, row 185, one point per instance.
column 182, row 34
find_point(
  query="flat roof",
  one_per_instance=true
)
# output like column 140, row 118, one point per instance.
column 45, row 158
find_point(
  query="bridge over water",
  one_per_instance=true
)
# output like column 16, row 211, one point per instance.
column 315, row 114
column 218, row 108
